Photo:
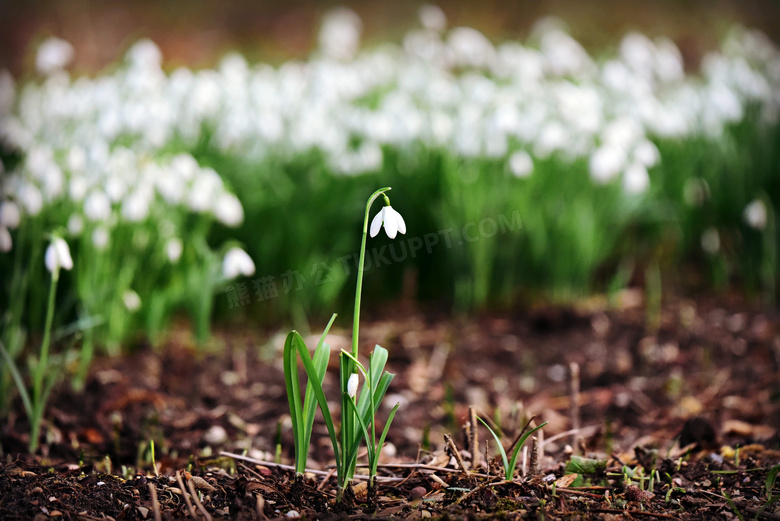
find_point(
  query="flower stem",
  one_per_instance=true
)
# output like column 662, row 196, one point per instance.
column 361, row 263
column 43, row 362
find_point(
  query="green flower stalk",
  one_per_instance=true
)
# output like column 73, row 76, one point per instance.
column 358, row 409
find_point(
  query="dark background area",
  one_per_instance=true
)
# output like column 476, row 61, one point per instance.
column 197, row 32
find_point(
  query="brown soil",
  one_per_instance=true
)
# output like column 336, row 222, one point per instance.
column 678, row 400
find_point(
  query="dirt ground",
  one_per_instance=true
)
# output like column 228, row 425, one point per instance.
column 697, row 400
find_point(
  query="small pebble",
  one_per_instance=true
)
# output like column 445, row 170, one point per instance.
column 425, row 514
column 216, row 435
column 417, row 493
column 292, row 513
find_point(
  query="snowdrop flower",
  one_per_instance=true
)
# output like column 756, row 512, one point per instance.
column 352, row 385
column 339, row 36
column 391, row 219
column 6, row 243
column 97, row 206
column 606, row 163
column 755, row 214
column 75, row 224
column 237, row 262
column 710, row 241
column 131, row 300
column 30, row 198
column 635, row 179
column 53, row 55
column 58, row 256
column 9, row 215
column 228, row 210
column 173, row 249
column 100, row 238
column 432, row 18
column 521, row 164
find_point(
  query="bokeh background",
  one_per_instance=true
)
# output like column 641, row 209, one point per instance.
column 209, row 160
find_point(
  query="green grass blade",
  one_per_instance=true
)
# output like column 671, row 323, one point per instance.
column 294, row 399
column 513, row 460
column 18, row 380
column 369, row 442
column 321, row 359
column 501, row 450
column 311, row 373
column 381, row 442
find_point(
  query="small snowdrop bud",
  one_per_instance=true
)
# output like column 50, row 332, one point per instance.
column 173, row 249
column 132, row 300
column 352, row 385
column 58, row 256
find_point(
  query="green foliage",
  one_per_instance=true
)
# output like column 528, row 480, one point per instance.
column 511, row 462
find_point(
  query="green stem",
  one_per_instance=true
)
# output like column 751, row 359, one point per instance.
column 361, row 263
column 43, row 361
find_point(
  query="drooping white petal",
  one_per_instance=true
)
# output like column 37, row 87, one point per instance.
column 399, row 221
column 391, row 222
column 6, row 242
column 58, row 255
column 376, row 224
column 237, row 262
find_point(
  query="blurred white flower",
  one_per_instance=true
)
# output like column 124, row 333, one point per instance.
column 97, row 206
column 521, row 164
column 710, row 241
column 30, row 198
column 352, row 385
column 58, row 256
column 392, row 220
column 54, row 54
column 237, row 262
column 432, row 18
column 10, row 217
column 145, row 54
column 339, row 35
column 131, row 300
column 135, row 207
column 6, row 243
column 100, row 238
column 173, row 249
column 228, row 210
column 646, row 153
column 606, row 163
column 75, row 224
column 635, row 179
column 755, row 214
column 470, row 48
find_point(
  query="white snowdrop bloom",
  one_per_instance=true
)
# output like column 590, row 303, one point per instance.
column 53, row 55
column 646, row 153
column 392, row 220
column 100, row 238
column 580, row 106
column 78, row 185
column 228, row 210
column 237, row 262
column 173, row 249
column 622, row 132
column 638, row 52
column 58, row 256
column 131, row 300
column 6, row 242
column 432, row 18
column 339, row 35
column 135, row 207
column 636, row 179
column 76, row 160
column 668, row 61
column 75, row 224
column 521, row 164
column 10, row 217
column 53, row 181
column 7, row 92
column 97, row 206
column 755, row 214
column 30, row 198
column 551, row 138
column 710, row 241
column 470, row 48
column 352, row 385
column 116, row 187
column 144, row 54
column 606, row 163
column 203, row 187
column 616, row 76
column 563, row 54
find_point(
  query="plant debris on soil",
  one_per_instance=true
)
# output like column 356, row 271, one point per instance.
column 675, row 422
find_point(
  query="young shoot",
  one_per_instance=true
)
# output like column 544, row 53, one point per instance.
column 510, row 463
